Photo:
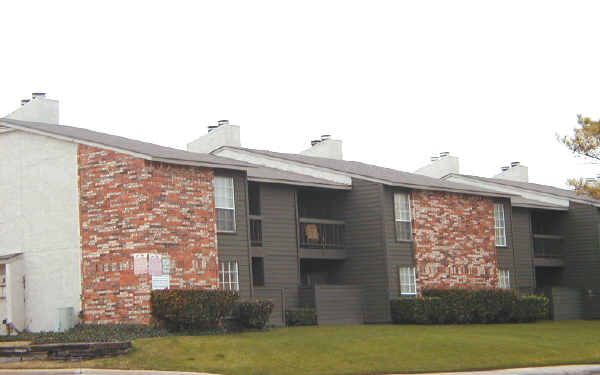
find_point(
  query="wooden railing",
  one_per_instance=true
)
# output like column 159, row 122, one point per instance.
column 255, row 230
column 321, row 233
column 547, row 246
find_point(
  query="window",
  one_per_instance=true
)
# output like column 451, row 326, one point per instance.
column 504, row 279
column 254, row 198
column 224, row 202
column 258, row 271
column 408, row 281
column 499, row 224
column 403, row 217
column 228, row 275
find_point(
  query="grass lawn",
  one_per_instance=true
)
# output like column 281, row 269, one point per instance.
column 366, row 349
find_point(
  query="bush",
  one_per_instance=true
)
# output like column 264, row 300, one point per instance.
column 404, row 310
column 301, row 317
column 254, row 313
column 192, row 309
column 467, row 306
column 531, row 308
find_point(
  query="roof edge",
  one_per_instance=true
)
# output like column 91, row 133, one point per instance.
column 377, row 180
column 233, row 166
column 296, row 183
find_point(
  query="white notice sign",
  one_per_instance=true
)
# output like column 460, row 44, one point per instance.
column 160, row 282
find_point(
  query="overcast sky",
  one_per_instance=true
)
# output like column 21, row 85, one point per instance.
column 490, row 82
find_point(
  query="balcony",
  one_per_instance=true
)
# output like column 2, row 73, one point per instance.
column 321, row 234
column 255, row 231
column 548, row 250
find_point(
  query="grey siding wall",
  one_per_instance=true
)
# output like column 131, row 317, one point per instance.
column 280, row 245
column 523, row 249
column 339, row 304
column 582, row 254
column 235, row 246
column 399, row 253
column 366, row 264
column 567, row 303
column 306, row 297
column 506, row 259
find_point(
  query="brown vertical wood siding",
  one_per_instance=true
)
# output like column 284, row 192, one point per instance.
column 367, row 264
column 523, row 249
column 235, row 246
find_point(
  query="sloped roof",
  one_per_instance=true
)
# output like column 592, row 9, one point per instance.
column 385, row 175
column 266, row 174
column 545, row 189
column 148, row 150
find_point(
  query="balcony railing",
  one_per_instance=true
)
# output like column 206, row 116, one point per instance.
column 547, row 246
column 321, row 233
column 255, row 231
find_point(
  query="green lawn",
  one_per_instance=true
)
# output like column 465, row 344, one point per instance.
column 367, row 349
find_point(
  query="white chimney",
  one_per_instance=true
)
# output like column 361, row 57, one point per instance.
column 440, row 166
column 222, row 134
column 37, row 109
column 516, row 172
column 325, row 148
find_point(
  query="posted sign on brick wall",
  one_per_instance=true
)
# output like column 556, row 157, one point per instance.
column 142, row 220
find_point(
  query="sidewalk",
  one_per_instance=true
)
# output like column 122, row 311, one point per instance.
column 553, row 370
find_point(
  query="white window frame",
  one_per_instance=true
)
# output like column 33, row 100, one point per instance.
column 403, row 215
column 219, row 206
column 229, row 276
column 408, row 281
column 499, row 225
column 504, row 278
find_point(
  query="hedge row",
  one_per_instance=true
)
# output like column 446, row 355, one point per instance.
column 464, row 306
column 200, row 310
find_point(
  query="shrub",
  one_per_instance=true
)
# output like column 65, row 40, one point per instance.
column 531, row 308
column 192, row 309
column 466, row 306
column 254, row 313
column 404, row 310
column 301, row 317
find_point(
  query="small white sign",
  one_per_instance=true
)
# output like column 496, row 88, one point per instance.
column 160, row 282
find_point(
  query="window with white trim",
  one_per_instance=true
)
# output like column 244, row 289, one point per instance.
column 504, row 278
column 224, row 203
column 408, row 281
column 229, row 276
column 499, row 224
column 403, row 216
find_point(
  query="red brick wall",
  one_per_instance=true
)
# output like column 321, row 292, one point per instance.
column 454, row 240
column 129, row 206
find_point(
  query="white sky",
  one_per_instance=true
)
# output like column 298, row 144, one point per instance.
column 491, row 82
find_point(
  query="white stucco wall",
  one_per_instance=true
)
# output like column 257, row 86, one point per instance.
column 328, row 148
column 440, row 168
column 39, row 216
column 224, row 135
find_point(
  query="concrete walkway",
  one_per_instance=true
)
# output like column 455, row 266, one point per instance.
column 553, row 370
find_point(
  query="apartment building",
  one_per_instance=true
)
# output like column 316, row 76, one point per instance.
column 94, row 222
